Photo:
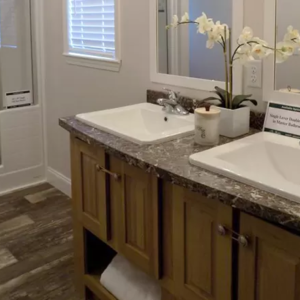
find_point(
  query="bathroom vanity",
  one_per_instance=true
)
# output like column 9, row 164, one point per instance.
column 200, row 235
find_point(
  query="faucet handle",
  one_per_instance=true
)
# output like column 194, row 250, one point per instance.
column 172, row 94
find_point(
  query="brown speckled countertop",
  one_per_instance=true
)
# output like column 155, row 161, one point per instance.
column 170, row 161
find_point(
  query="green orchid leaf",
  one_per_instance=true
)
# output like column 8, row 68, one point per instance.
column 238, row 100
column 211, row 98
column 222, row 95
column 254, row 102
column 241, row 97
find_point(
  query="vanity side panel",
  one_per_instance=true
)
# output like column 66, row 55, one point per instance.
column 78, row 232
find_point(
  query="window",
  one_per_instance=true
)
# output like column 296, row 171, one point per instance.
column 92, row 32
column 8, row 22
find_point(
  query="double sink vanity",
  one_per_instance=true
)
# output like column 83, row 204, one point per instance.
column 220, row 223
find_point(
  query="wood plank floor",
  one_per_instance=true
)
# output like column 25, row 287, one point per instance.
column 36, row 256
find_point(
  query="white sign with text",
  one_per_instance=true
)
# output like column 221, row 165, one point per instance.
column 283, row 119
column 18, row 99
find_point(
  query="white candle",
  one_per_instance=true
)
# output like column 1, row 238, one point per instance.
column 207, row 123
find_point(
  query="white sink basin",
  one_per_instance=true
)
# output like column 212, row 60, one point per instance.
column 143, row 123
column 265, row 160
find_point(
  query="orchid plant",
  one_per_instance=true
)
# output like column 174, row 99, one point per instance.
column 248, row 48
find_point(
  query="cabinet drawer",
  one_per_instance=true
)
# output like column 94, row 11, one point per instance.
column 91, row 188
column 139, row 219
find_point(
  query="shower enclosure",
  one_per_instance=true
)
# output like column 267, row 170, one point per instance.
column 21, row 131
column 16, row 71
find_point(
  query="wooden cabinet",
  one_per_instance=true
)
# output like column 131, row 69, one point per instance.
column 202, row 257
column 90, row 188
column 118, row 203
column 138, row 239
column 175, row 236
column 269, row 268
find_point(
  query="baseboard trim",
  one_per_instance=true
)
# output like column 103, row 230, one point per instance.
column 23, row 187
column 21, row 179
column 59, row 181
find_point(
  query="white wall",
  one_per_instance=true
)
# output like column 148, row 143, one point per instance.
column 254, row 17
column 71, row 89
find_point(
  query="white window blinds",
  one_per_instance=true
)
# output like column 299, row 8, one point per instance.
column 91, row 27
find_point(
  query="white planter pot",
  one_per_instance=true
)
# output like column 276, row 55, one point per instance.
column 234, row 123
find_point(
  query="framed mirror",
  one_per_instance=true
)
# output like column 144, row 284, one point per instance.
column 179, row 56
column 282, row 79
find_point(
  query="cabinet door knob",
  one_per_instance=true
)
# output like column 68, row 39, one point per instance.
column 243, row 241
column 221, row 230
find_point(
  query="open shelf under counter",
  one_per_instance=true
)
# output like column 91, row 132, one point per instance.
column 92, row 282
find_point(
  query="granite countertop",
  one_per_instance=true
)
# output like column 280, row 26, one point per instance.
column 170, row 161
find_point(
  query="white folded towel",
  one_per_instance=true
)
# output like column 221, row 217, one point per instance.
column 126, row 282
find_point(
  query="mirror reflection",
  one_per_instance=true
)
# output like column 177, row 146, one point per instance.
column 183, row 51
column 287, row 24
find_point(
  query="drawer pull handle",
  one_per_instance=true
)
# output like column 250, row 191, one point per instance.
column 241, row 239
column 114, row 175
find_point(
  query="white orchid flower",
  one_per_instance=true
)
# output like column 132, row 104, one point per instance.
column 211, row 40
column 204, row 24
column 175, row 22
column 292, row 35
column 185, row 18
column 281, row 57
column 216, row 34
column 283, row 51
column 219, row 31
column 245, row 54
column 259, row 41
column 246, row 36
column 260, row 51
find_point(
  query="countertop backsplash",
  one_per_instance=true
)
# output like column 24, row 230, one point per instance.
column 256, row 118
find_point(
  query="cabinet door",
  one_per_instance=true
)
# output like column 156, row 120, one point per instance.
column 90, row 188
column 269, row 268
column 139, row 219
column 202, row 257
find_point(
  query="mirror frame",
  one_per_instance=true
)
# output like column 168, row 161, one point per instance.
column 189, row 82
column 269, row 77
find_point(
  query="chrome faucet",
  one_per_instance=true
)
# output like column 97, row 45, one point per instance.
column 172, row 105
